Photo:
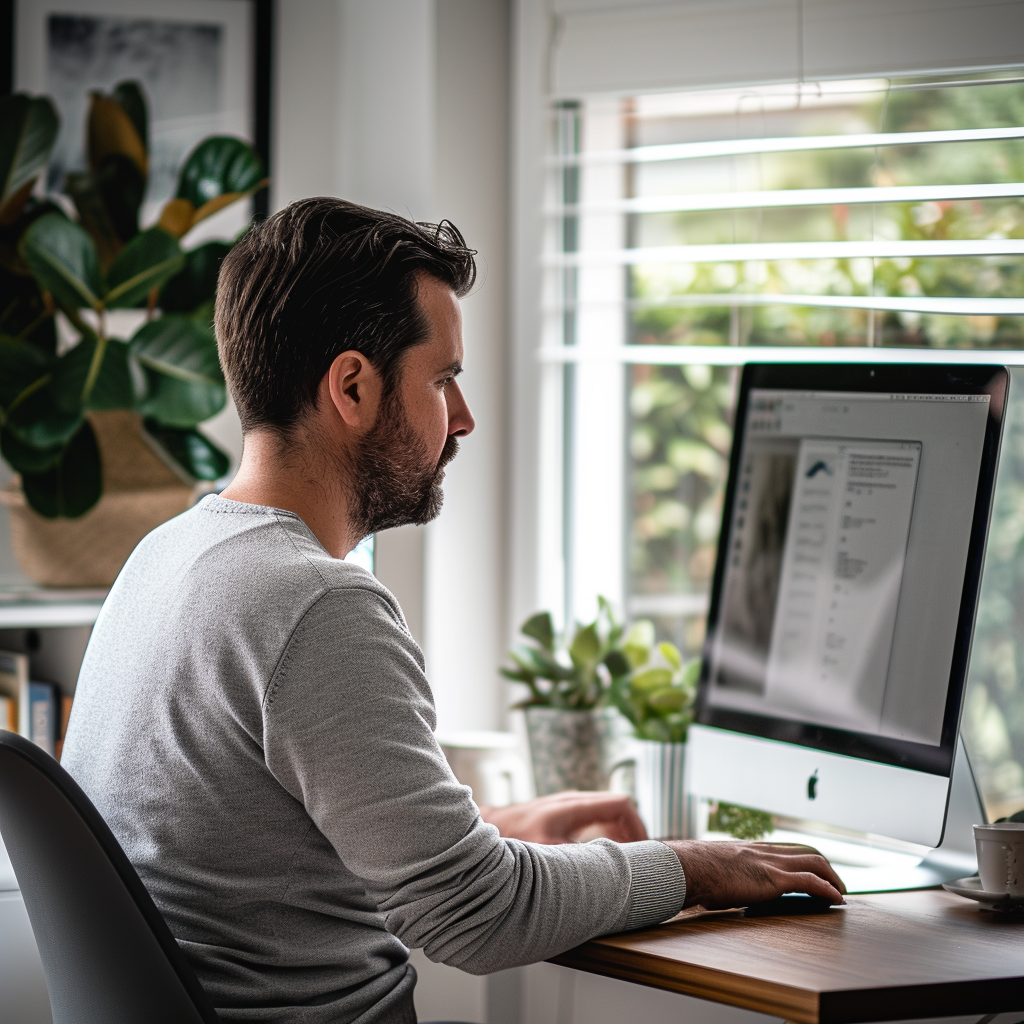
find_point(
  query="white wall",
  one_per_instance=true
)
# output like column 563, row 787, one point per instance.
column 403, row 105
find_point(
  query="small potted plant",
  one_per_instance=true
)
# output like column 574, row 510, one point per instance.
column 656, row 695
column 575, row 736
column 101, row 429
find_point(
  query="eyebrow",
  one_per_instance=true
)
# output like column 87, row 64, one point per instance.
column 453, row 368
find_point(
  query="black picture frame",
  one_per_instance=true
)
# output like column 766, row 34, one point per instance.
column 262, row 80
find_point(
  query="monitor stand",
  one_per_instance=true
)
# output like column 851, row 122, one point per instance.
column 954, row 858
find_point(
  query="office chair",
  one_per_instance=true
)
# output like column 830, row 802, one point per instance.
column 108, row 955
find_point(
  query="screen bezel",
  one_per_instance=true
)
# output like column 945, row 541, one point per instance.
column 866, row 377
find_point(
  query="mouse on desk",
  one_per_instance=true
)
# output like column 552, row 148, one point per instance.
column 791, row 903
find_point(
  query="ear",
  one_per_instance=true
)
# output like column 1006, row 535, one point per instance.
column 353, row 387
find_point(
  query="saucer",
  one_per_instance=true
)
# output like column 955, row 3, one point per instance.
column 972, row 890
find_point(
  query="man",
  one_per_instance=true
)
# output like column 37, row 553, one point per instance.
column 252, row 716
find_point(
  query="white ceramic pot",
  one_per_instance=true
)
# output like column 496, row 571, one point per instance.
column 575, row 749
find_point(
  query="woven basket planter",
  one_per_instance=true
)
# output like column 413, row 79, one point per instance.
column 139, row 493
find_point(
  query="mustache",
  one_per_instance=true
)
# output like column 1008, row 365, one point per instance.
column 448, row 452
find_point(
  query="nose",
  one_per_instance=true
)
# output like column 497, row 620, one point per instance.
column 460, row 419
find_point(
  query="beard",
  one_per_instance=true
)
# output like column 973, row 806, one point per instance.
column 395, row 483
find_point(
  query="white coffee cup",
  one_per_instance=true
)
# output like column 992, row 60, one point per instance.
column 1001, row 857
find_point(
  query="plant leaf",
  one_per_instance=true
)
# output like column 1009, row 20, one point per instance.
column 671, row 654
column 20, row 364
column 181, row 403
column 64, row 261
column 586, row 645
column 539, row 627
column 217, row 166
column 73, row 484
column 652, row 679
column 671, row 698
column 178, row 346
column 121, row 383
column 133, row 101
column 26, row 458
column 28, row 129
column 617, row 663
column 197, row 455
column 176, row 217
column 145, row 263
column 112, row 130
column 121, row 188
column 691, row 675
column 93, row 214
column 196, row 283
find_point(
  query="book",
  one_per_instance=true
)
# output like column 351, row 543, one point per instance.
column 65, row 714
column 43, row 720
column 8, row 714
column 14, row 686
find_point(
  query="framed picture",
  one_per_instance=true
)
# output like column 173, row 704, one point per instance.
column 204, row 67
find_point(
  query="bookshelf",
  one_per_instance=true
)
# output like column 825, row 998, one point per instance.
column 34, row 608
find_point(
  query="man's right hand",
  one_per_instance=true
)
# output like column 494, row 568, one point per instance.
column 733, row 874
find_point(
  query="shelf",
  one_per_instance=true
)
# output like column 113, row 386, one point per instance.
column 35, row 608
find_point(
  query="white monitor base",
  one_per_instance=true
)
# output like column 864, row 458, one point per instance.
column 866, row 869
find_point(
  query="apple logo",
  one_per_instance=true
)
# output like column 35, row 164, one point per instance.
column 812, row 786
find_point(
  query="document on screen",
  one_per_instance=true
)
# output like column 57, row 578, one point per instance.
column 839, row 587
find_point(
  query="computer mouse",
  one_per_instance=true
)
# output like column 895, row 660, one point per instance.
column 791, row 903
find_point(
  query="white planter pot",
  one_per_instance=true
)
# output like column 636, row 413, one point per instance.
column 575, row 749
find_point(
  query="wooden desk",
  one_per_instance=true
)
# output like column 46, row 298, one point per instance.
column 890, row 956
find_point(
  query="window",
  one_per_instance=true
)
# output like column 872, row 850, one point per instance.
column 687, row 233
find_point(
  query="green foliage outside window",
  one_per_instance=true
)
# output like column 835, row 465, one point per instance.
column 679, row 417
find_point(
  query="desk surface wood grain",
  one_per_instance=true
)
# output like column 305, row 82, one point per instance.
column 886, row 956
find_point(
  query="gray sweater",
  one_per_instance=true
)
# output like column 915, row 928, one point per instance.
column 253, row 721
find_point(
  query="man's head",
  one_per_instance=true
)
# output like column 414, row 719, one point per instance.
column 341, row 324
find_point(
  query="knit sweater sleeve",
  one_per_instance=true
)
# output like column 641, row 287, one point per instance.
column 348, row 731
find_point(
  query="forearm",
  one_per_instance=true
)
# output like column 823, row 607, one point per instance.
column 528, row 902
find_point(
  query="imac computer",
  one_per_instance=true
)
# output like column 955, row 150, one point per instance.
column 839, row 629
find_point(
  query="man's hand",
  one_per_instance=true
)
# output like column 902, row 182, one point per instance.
column 731, row 874
column 564, row 817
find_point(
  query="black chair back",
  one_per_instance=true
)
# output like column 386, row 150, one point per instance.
column 108, row 955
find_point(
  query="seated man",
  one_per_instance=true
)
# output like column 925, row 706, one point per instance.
column 252, row 717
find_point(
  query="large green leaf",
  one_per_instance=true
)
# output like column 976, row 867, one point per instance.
column 218, row 166
column 196, row 283
column 121, row 383
column 133, row 100
column 145, row 263
column 28, row 128
column 21, row 363
column 26, row 458
column 179, row 347
column 195, row 454
column 80, row 382
column 23, row 310
column 63, row 259
column 73, row 484
column 121, row 187
column 40, row 421
column 93, row 214
column 181, row 403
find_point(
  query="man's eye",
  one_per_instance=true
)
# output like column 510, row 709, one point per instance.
column 446, row 382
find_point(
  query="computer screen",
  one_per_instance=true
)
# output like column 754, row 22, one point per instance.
column 850, row 557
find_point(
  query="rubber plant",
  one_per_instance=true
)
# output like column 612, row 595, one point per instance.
column 83, row 254
column 572, row 671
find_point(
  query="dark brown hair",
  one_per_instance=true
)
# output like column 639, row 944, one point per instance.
column 319, row 278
